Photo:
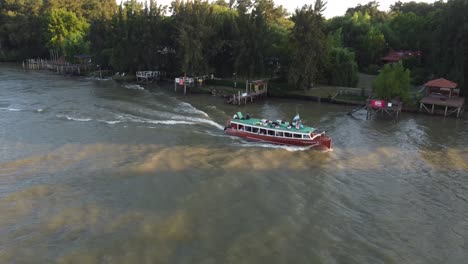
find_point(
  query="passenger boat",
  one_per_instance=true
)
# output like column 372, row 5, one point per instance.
column 277, row 132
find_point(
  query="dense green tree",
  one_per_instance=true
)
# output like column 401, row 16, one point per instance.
column 372, row 11
column 392, row 81
column 192, row 32
column 222, row 43
column 418, row 8
column 449, row 51
column 308, row 43
column 341, row 66
column 253, row 38
column 408, row 28
column 66, row 32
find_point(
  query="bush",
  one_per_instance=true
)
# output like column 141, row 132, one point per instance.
column 393, row 81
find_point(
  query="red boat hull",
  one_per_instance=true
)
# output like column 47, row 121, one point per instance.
column 320, row 142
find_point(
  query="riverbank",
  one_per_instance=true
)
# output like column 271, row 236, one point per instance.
column 324, row 94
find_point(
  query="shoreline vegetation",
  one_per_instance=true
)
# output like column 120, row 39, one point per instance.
column 344, row 59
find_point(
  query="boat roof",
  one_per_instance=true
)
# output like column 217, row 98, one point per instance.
column 283, row 126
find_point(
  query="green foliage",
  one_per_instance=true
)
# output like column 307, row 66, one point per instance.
column 363, row 36
column 75, row 45
column 308, row 42
column 252, row 38
column 66, row 31
column 449, row 50
column 370, row 12
column 343, row 68
column 393, row 81
column 193, row 31
column 408, row 28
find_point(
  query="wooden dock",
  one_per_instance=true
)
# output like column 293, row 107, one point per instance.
column 58, row 66
column 188, row 83
column 442, row 93
column 244, row 98
column 390, row 108
column 450, row 106
column 149, row 76
column 253, row 90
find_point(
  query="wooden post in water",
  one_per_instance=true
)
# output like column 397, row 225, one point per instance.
column 246, row 85
column 185, row 84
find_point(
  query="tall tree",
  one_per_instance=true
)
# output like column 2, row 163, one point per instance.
column 66, row 31
column 449, row 57
column 192, row 31
column 308, row 43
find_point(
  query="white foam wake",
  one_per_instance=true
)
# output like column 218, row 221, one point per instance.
column 188, row 108
column 131, row 118
column 71, row 118
column 199, row 120
column 10, row 109
column 273, row 146
column 98, row 79
column 110, row 122
column 134, row 87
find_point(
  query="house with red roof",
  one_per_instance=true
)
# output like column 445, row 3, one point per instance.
column 397, row 56
column 442, row 93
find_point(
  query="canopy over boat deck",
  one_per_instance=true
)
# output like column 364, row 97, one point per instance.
column 443, row 93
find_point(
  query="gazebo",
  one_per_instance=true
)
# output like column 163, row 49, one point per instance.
column 442, row 92
column 441, row 87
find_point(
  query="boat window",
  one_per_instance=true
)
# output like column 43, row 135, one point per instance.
column 271, row 132
column 241, row 127
column 297, row 135
column 305, row 136
column 248, row 129
column 255, row 129
column 263, row 131
column 234, row 126
column 286, row 134
column 279, row 134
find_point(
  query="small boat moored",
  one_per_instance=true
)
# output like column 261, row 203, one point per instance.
column 277, row 132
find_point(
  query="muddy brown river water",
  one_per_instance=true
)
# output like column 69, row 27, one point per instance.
column 94, row 171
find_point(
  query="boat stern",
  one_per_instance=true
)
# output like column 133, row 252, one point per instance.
column 326, row 142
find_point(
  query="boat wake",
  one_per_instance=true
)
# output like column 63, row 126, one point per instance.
column 110, row 122
column 272, row 146
column 71, row 118
column 131, row 118
column 11, row 109
column 188, row 108
column 133, row 87
column 98, row 79
column 206, row 132
column 199, row 120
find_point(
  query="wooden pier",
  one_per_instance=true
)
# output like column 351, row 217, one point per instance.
column 390, row 108
column 187, row 83
column 442, row 93
column 253, row 90
column 149, row 76
column 58, row 66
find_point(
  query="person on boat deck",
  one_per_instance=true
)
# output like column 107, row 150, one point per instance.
column 235, row 116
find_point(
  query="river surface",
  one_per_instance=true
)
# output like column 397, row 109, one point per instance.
column 99, row 172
